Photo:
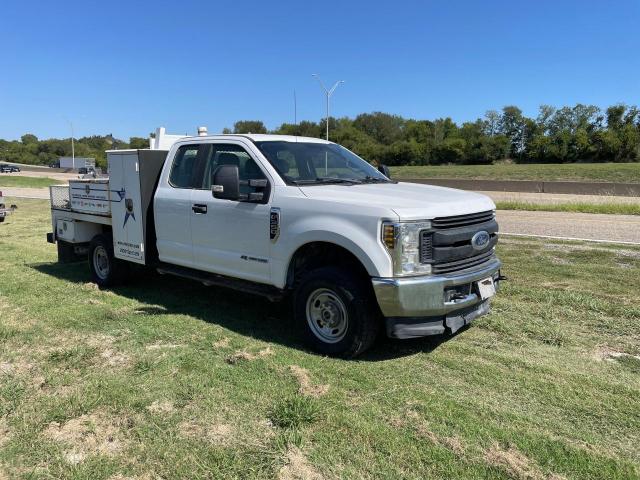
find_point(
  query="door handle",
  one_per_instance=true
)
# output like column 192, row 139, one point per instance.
column 199, row 208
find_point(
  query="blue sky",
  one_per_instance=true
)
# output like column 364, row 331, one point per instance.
column 127, row 67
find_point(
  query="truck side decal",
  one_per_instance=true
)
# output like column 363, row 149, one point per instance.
column 274, row 224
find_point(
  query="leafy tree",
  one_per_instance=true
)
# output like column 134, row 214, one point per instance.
column 249, row 126
column 138, row 142
column 29, row 139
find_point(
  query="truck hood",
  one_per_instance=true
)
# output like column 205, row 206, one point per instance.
column 410, row 201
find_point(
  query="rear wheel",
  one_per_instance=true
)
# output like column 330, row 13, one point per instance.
column 335, row 312
column 105, row 268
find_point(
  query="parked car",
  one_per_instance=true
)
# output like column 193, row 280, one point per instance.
column 291, row 217
column 6, row 168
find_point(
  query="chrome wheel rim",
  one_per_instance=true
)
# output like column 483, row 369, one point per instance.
column 327, row 315
column 101, row 262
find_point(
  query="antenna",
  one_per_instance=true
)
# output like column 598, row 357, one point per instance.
column 295, row 112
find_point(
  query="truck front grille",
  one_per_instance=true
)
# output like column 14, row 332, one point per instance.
column 447, row 245
column 458, row 221
column 450, row 267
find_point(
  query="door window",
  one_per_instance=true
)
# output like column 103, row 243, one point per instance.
column 219, row 154
column 184, row 169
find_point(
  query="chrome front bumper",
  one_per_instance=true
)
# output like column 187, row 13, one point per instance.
column 423, row 300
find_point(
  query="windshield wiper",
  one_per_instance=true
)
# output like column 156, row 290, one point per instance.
column 318, row 180
column 370, row 179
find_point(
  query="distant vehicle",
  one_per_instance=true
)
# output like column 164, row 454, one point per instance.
column 4, row 168
column 54, row 165
column 76, row 162
column 83, row 171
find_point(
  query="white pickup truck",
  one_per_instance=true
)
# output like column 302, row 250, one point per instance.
column 290, row 217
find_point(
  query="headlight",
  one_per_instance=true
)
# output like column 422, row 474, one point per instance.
column 402, row 240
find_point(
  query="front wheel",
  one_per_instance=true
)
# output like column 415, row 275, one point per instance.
column 336, row 312
column 105, row 268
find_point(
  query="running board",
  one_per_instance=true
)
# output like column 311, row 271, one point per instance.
column 213, row 279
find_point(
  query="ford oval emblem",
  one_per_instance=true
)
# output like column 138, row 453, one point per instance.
column 480, row 240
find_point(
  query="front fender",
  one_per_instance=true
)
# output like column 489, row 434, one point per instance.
column 361, row 240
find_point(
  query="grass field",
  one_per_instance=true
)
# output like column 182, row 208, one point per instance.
column 578, row 207
column 14, row 180
column 588, row 172
column 165, row 378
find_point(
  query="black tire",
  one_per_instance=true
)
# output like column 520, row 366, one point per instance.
column 2, row 219
column 106, row 270
column 326, row 294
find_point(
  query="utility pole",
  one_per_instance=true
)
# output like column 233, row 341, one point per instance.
column 328, row 94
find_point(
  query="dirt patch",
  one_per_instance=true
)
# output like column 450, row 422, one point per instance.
column 609, row 354
column 92, row 434
column 217, row 433
column 512, row 461
column 162, row 346
column 119, row 476
column 559, row 260
column 222, row 343
column 306, row 386
column 5, row 432
column 160, row 407
column 15, row 368
column 516, row 464
column 113, row 358
column 297, row 467
column 414, row 420
column 243, row 355
column 454, row 444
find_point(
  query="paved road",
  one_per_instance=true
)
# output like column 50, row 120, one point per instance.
column 556, row 198
column 23, row 192
column 613, row 228
column 588, row 226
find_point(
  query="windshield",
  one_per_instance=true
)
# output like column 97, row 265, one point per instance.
column 314, row 163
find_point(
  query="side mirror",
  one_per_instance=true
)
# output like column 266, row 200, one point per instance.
column 226, row 182
column 383, row 169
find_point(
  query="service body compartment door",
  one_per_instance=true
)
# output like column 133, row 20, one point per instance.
column 89, row 196
column 126, row 208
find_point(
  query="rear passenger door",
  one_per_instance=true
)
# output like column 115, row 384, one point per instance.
column 230, row 237
column 172, row 207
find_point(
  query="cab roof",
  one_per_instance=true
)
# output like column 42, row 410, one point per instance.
column 259, row 137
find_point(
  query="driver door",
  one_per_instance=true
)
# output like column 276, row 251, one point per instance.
column 230, row 237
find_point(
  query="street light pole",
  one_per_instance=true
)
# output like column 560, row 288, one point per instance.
column 328, row 93
column 73, row 150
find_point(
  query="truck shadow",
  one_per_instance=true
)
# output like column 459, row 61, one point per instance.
column 239, row 312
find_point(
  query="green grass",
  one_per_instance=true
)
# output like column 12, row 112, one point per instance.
column 15, row 180
column 587, row 172
column 165, row 378
column 578, row 207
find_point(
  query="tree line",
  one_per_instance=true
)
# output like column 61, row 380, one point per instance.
column 30, row 150
column 582, row 133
